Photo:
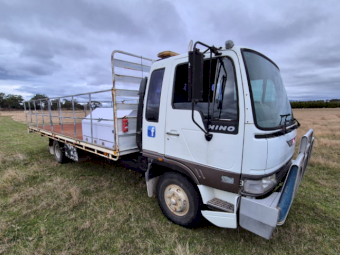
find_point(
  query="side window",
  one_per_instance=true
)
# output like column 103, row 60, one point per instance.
column 180, row 97
column 154, row 95
column 223, row 91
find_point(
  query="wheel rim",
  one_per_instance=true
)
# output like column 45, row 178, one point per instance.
column 57, row 151
column 176, row 199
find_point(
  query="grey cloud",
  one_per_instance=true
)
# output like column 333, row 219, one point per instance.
column 39, row 45
column 37, row 53
column 40, row 69
column 63, row 47
column 321, row 55
column 69, row 37
column 293, row 24
column 128, row 19
column 76, row 15
column 27, row 68
column 8, row 75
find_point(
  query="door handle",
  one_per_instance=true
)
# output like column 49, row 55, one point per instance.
column 169, row 133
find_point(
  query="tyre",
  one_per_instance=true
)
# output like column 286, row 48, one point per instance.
column 59, row 153
column 179, row 199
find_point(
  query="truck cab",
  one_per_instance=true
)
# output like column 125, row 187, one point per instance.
column 245, row 110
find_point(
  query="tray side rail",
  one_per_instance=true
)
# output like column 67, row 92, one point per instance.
column 60, row 116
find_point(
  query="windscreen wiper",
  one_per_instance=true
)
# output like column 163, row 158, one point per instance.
column 221, row 92
column 298, row 123
column 285, row 116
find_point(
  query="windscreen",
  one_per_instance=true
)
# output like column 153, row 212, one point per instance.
column 269, row 97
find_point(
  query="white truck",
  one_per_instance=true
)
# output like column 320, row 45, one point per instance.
column 213, row 132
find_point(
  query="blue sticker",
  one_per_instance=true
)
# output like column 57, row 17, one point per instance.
column 151, row 131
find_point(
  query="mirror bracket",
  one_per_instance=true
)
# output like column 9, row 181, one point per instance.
column 195, row 80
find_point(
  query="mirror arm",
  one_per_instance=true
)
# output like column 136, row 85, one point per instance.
column 203, row 44
column 193, row 118
column 212, row 49
column 208, row 136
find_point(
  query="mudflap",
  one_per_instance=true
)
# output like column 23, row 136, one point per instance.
column 71, row 152
column 50, row 146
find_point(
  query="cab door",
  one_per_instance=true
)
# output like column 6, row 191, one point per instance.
column 216, row 163
column 155, row 109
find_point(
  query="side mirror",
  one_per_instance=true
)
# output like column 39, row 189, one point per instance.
column 195, row 79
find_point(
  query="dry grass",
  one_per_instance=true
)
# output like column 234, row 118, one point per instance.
column 11, row 177
column 326, row 125
column 97, row 207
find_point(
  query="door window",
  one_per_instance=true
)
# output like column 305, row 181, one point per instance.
column 154, row 95
column 223, row 91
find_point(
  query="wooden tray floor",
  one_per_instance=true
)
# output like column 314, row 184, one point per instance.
column 68, row 130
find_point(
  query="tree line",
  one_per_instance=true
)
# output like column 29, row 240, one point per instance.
column 16, row 102
column 333, row 103
column 11, row 101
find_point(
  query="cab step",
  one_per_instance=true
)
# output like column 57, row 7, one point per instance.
column 221, row 205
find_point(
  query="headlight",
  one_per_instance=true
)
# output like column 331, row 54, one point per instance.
column 260, row 186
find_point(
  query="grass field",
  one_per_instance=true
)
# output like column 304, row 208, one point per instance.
column 97, row 207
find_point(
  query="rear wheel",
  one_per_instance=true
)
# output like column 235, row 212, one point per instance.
column 59, row 153
column 178, row 199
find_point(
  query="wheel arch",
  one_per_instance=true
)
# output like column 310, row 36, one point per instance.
column 50, row 141
column 169, row 165
column 160, row 166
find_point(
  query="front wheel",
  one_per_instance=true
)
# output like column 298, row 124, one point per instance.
column 178, row 199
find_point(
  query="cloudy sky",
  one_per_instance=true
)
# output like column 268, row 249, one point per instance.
column 63, row 47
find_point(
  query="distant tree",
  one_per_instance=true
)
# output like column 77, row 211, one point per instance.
column 54, row 104
column 2, row 100
column 77, row 105
column 334, row 103
column 94, row 104
column 13, row 101
column 40, row 103
column 68, row 104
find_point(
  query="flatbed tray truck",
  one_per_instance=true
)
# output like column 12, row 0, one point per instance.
column 213, row 132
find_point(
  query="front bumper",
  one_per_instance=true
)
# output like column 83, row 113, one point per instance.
column 261, row 216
